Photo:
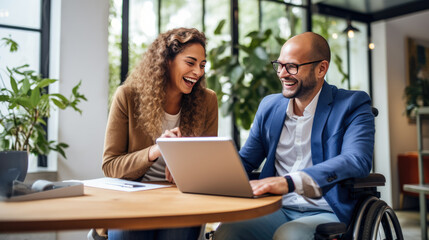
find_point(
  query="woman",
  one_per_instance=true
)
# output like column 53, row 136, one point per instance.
column 164, row 96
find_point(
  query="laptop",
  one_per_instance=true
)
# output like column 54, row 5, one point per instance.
column 206, row 165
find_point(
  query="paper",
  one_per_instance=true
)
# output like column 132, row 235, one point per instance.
column 120, row 184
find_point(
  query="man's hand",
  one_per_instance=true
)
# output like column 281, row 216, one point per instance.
column 274, row 185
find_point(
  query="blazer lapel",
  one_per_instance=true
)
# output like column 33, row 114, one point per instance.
column 275, row 129
column 321, row 115
column 278, row 121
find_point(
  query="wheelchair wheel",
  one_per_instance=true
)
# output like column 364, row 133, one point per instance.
column 360, row 218
column 390, row 229
column 391, row 220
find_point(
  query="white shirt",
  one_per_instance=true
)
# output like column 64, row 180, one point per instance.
column 293, row 154
column 156, row 172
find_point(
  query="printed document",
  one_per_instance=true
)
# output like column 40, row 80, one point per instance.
column 120, row 184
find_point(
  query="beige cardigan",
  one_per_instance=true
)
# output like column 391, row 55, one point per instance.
column 126, row 146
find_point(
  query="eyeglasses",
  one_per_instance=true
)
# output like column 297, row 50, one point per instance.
column 291, row 68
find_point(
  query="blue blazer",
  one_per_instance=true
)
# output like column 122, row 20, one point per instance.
column 342, row 142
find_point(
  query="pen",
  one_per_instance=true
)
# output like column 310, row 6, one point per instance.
column 126, row 185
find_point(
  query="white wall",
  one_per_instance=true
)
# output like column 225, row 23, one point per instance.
column 394, row 133
column 83, row 56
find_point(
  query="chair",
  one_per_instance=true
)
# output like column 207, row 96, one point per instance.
column 408, row 173
column 368, row 214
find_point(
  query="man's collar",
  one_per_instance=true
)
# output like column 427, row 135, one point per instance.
column 308, row 111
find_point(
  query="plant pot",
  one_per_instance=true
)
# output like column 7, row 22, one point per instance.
column 13, row 166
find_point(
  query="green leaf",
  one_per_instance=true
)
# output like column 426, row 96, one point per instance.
column 76, row 88
column 35, row 97
column 280, row 40
column 61, row 97
column 25, row 86
column 13, row 46
column 45, row 82
column 25, row 102
column 260, row 52
column 58, row 103
column 219, row 27
column 13, row 84
column 41, row 121
column 236, row 74
column 4, row 98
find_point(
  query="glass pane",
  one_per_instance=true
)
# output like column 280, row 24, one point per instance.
column 359, row 58
column 248, row 18
column 181, row 14
column 143, row 27
column 22, row 13
column 28, row 51
column 115, row 34
column 274, row 17
column 215, row 12
column 285, row 21
column 331, row 29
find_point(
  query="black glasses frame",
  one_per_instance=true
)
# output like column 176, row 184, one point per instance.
column 288, row 66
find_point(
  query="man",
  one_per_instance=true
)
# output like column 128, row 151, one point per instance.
column 313, row 136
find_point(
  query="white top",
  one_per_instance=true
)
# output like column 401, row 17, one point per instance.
column 293, row 154
column 157, row 171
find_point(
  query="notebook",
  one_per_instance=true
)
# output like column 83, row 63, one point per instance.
column 206, row 165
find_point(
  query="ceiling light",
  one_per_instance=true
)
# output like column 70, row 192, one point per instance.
column 350, row 30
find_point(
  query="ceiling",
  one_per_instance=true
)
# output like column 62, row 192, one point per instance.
column 368, row 10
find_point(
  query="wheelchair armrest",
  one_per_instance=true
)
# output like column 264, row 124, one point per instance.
column 330, row 230
column 360, row 187
column 373, row 180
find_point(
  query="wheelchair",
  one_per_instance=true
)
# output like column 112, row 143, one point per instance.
column 372, row 217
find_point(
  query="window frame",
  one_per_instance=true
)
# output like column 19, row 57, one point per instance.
column 44, row 32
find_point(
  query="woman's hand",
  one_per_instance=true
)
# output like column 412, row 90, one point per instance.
column 154, row 152
column 175, row 132
column 168, row 176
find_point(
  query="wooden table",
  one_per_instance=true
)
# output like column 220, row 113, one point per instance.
column 102, row 208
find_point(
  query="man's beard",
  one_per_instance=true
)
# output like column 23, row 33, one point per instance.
column 304, row 87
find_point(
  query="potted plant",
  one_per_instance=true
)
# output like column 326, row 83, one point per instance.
column 417, row 95
column 25, row 105
column 242, row 81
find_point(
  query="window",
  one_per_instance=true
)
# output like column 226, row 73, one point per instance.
column 332, row 29
column 285, row 18
column 27, row 23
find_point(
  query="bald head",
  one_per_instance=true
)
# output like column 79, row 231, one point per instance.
column 312, row 44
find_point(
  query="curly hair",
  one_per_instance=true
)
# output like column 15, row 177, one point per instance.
column 149, row 81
